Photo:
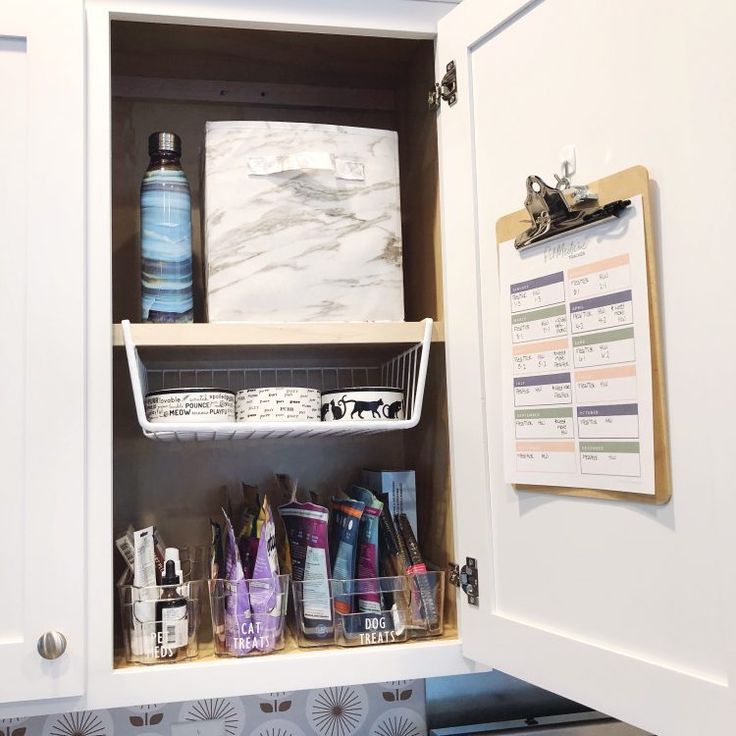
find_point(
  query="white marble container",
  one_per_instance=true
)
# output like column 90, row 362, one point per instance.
column 302, row 223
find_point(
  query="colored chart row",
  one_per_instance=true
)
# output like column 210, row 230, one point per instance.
column 597, row 385
column 615, row 421
column 596, row 458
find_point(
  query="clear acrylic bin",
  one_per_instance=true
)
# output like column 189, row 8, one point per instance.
column 427, row 602
column 388, row 610
column 154, row 631
column 248, row 616
column 371, row 611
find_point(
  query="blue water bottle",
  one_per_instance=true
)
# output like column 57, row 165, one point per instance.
column 166, row 234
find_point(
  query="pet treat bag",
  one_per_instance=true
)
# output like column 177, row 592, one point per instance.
column 239, row 638
column 306, row 530
column 369, row 597
column 347, row 525
column 265, row 591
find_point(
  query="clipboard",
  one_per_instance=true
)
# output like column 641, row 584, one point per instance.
column 611, row 189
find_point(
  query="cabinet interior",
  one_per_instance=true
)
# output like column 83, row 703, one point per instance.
column 177, row 77
column 318, row 78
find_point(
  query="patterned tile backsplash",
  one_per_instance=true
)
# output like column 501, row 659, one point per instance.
column 394, row 708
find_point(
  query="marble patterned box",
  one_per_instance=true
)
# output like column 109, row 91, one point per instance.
column 302, row 223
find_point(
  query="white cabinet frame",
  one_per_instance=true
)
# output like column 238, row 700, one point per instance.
column 108, row 687
column 42, row 304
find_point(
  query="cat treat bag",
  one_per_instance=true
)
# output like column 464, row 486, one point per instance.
column 265, row 590
column 239, row 639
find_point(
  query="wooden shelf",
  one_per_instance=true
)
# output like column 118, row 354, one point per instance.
column 221, row 677
column 207, row 650
column 286, row 333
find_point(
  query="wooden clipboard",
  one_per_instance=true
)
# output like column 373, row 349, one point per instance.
column 623, row 185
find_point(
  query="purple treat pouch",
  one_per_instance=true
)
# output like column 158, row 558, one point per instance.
column 369, row 594
column 265, row 587
column 239, row 627
column 306, row 529
column 248, row 548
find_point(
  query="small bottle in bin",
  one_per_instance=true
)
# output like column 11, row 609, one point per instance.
column 172, row 626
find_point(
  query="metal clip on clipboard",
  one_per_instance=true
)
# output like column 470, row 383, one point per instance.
column 561, row 209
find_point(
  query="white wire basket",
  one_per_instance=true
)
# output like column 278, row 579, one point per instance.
column 407, row 371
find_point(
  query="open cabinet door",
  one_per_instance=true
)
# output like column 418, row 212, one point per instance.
column 42, row 331
column 627, row 608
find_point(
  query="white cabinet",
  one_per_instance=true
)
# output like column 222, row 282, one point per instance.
column 626, row 608
column 42, row 307
column 619, row 606
column 251, row 61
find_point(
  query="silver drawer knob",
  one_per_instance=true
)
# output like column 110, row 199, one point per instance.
column 51, row 645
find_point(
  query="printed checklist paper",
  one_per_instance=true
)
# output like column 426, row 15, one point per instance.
column 577, row 376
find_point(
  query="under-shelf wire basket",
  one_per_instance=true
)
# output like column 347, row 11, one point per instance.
column 407, row 371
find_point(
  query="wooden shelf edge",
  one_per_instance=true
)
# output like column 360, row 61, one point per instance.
column 207, row 655
column 331, row 333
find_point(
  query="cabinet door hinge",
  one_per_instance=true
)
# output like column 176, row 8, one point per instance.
column 466, row 578
column 445, row 90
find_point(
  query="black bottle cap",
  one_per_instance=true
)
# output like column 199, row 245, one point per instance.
column 162, row 141
column 170, row 577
